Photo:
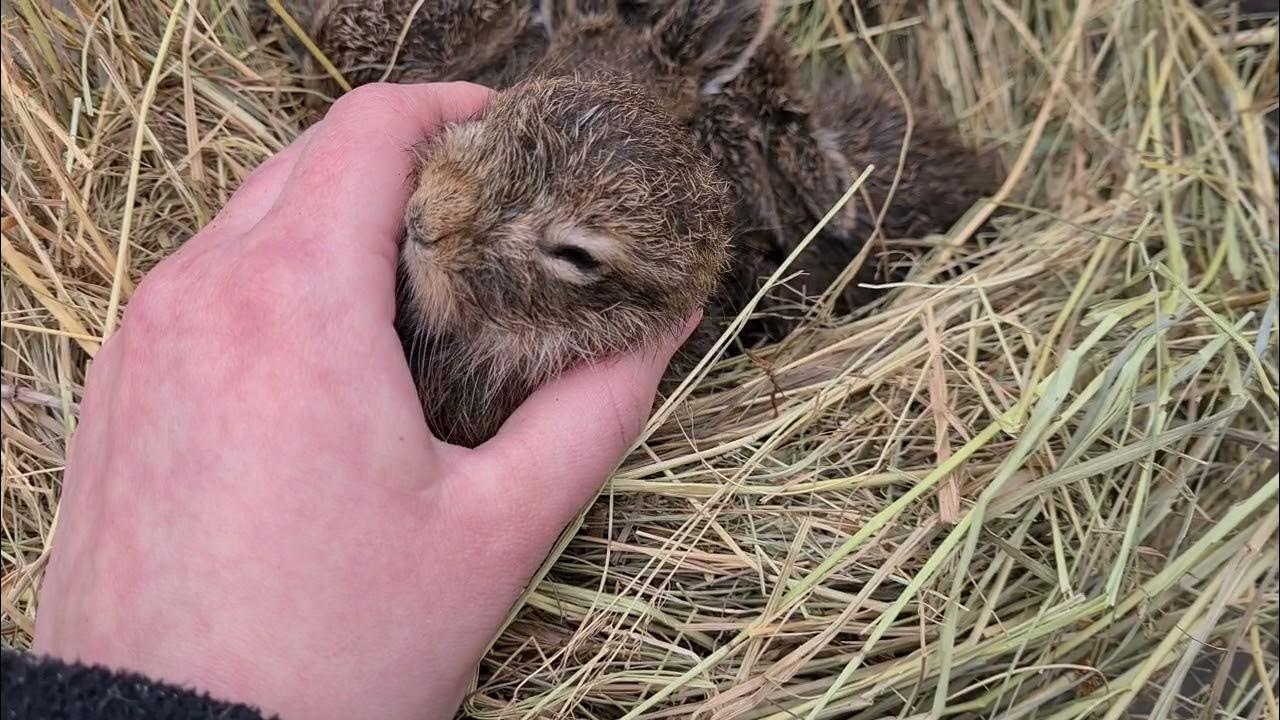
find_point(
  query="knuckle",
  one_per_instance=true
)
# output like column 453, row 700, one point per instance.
column 264, row 291
column 256, row 294
column 260, row 179
column 157, row 302
column 366, row 100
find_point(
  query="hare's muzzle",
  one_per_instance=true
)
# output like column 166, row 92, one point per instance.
column 415, row 231
column 431, row 286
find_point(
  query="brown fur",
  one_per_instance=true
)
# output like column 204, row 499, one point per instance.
column 714, row 79
column 490, row 42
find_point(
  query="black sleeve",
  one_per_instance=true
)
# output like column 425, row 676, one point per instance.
column 34, row 688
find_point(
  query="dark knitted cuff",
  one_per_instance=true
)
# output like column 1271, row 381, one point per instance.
column 34, row 688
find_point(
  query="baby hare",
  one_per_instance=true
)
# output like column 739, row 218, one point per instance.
column 631, row 143
column 574, row 221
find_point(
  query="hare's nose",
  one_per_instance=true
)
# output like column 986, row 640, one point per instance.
column 415, row 228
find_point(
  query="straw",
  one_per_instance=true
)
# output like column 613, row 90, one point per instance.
column 1037, row 481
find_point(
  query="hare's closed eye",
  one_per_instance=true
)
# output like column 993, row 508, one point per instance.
column 579, row 257
column 572, row 263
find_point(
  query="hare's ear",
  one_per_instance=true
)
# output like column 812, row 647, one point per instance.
column 555, row 14
column 718, row 37
column 309, row 14
column 551, row 14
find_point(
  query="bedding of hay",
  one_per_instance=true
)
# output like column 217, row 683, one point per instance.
column 1045, row 487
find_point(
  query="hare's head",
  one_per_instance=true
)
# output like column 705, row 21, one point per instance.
column 573, row 221
column 575, row 218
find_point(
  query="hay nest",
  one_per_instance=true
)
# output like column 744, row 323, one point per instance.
column 1044, row 487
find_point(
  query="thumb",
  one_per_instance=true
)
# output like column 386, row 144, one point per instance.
column 560, row 446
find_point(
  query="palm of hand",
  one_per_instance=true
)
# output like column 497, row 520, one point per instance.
column 253, row 504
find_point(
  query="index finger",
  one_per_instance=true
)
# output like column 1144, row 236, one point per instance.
column 350, row 183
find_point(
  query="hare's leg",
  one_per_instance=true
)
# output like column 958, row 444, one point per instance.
column 784, row 182
column 810, row 176
column 735, row 144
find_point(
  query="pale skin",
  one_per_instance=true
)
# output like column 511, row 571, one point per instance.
column 253, row 504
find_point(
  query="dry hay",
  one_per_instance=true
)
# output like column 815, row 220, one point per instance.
column 1042, row 488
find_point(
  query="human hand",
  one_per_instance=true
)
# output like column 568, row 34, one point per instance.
column 253, row 504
